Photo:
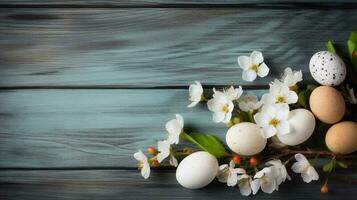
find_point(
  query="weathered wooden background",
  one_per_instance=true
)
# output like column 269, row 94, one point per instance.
column 85, row 84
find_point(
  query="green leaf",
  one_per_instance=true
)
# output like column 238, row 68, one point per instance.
column 330, row 47
column 342, row 164
column 207, row 143
column 328, row 167
column 353, row 36
column 303, row 98
column 351, row 47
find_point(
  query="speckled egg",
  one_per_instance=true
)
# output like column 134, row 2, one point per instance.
column 327, row 68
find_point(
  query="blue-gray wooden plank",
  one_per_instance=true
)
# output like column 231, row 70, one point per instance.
column 128, row 184
column 90, row 128
column 159, row 47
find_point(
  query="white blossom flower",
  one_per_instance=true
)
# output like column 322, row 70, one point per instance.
column 273, row 119
column 353, row 99
column 233, row 93
column 279, row 94
column 308, row 172
column 290, row 77
column 249, row 103
column 280, row 172
column 221, row 105
column 195, row 92
column 244, row 181
column 252, row 66
column 164, row 148
column 264, row 179
column 227, row 174
column 143, row 164
column 174, row 128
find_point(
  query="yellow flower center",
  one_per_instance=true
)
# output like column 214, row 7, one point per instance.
column 280, row 99
column 140, row 165
column 254, row 67
column 274, row 122
column 225, row 108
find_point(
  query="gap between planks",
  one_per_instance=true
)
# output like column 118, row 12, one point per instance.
column 283, row 5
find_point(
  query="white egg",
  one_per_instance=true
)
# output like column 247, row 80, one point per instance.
column 327, row 68
column 197, row 170
column 245, row 139
column 302, row 125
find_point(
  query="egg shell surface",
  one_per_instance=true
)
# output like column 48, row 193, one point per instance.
column 302, row 125
column 327, row 68
column 327, row 104
column 197, row 170
column 245, row 139
column 341, row 138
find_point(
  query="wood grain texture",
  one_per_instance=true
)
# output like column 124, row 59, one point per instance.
column 158, row 47
column 90, row 128
column 124, row 184
column 174, row 2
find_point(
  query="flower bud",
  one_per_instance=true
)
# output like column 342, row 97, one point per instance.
column 236, row 159
column 151, row 150
column 253, row 161
column 324, row 189
column 155, row 163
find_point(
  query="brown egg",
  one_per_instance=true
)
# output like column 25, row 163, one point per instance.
column 327, row 104
column 341, row 138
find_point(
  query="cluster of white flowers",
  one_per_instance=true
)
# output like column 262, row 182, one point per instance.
column 268, row 179
column 222, row 103
column 273, row 117
column 174, row 127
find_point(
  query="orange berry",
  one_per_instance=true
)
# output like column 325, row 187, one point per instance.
column 324, row 189
column 253, row 161
column 151, row 150
column 355, row 54
column 155, row 163
column 236, row 159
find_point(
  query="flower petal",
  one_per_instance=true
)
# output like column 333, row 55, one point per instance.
column 268, row 186
column 297, row 167
column 164, row 150
column 244, row 62
column 145, row 171
column 255, row 185
column 249, row 75
column 284, row 127
column 180, row 121
column 263, row 70
column 292, row 97
column 232, row 179
column 218, row 117
column 140, row 156
column 306, row 177
column 244, row 188
column 269, row 132
column 256, row 57
column 301, row 158
column 192, row 104
column 312, row 173
column 173, row 161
